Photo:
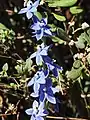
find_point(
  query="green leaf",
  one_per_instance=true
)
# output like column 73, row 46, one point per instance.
column 38, row 14
column 61, row 3
column 83, row 39
column 88, row 36
column 5, row 67
column 28, row 64
column 58, row 40
column 74, row 73
column 62, row 34
column 53, row 27
column 3, row 26
column 80, row 44
column 76, row 10
column 59, row 17
column 86, row 89
column 77, row 64
column 19, row 69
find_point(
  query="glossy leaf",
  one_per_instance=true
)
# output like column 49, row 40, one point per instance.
column 2, row 26
column 61, row 3
column 76, row 10
column 77, row 64
column 59, row 17
column 74, row 73
column 57, row 40
column 5, row 67
column 38, row 14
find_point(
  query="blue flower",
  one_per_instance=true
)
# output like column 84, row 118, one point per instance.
column 41, row 28
column 51, row 65
column 42, row 51
column 37, row 111
column 39, row 78
column 30, row 9
column 46, row 91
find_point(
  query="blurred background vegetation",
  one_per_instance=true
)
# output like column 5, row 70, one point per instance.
column 71, row 49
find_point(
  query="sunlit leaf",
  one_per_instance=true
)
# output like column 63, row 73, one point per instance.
column 61, row 3
column 2, row 26
column 76, row 10
column 77, row 64
column 38, row 14
column 5, row 67
column 59, row 17
column 58, row 40
column 74, row 73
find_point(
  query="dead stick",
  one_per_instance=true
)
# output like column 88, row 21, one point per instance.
column 61, row 118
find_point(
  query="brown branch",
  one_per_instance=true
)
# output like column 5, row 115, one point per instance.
column 63, row 118
column 6, row 114
column 50, row 117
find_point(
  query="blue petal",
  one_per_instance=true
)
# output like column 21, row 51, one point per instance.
column 41, row 80
column 45, row 112
column 46, row 48
column 31, row 82
column 39, row 34
column 47, row 59
column 42, row 45
column 42, row 96
column 36, row 87
column 60, row 68
column 46, row 72
column 29, row 14
column 29, row 111
column 35, row 26
column 29, row 3
column 48, row 82
column 42, row 113
column 35, row 105
column 48, row 32
column 33, row 118
column 39, row 118
column 44, row 20
column 50, row 92
column 50, row 66
column 33, row 55
column 42, row 86
column 33, row 9
column 55, row 90
column 55, row 72
column 38, row 59
column 43, row 52
column 34, row 94
column 36, row 3
column 23, row 10
column 36, row 20
column 51, row 99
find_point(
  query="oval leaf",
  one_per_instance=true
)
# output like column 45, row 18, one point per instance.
column 74, row 73
column 59, row 17
column 76, row 10
column 77, row 64
column 5, row 67
column 61, row 3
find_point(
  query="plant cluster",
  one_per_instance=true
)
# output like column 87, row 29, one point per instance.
column 42, row 77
